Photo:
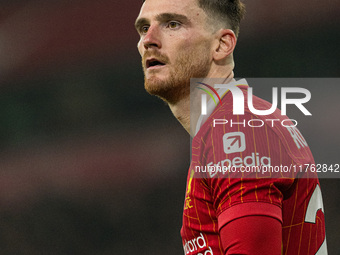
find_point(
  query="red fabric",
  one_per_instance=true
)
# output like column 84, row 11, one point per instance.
column 249, row 209
column 213, row 201
column 252, row 235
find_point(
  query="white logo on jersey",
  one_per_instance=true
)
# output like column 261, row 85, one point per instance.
column 297, row 137
column 234, row 142
column 197, row 244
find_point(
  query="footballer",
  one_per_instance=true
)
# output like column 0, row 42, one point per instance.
column 226, row 213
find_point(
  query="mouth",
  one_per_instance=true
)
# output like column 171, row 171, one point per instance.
column 154, row 63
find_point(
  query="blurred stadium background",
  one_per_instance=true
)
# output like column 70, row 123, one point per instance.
column 89, row 162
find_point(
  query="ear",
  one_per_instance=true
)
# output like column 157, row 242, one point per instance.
column 226, row 44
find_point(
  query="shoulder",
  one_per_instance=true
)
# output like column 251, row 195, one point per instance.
column 229, row 133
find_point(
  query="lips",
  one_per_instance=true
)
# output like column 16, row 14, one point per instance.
column 154, row 63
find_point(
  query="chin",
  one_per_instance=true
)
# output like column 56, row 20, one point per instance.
column 153, row 84
column 157, row 87
column 169, row 90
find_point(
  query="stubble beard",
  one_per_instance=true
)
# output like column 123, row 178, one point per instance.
column 192, row 64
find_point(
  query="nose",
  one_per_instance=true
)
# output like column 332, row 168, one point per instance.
column 152, row 39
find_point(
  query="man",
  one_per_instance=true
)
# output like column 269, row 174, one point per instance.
column 231, row 214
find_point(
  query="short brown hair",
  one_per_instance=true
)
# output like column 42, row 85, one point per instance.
column 229, row 12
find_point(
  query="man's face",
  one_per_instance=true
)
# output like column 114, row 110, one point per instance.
column 175, row 46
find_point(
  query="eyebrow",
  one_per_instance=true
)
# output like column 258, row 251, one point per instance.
column 161, row 17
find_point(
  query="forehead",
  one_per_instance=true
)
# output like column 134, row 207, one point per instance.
column 188, row 8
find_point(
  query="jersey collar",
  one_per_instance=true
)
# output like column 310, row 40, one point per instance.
column 211, row 105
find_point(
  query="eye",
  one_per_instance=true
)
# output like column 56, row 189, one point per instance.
column 173, row 24
column 144, row 29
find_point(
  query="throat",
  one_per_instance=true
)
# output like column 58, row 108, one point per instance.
column 181, row 110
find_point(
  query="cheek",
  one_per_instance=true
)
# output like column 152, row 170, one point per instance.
column 140, row 47
column 195, row 47
column 196, row 41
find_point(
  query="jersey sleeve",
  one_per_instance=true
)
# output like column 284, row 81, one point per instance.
column 249, row 234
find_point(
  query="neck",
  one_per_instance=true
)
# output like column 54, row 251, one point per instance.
column 181, row 109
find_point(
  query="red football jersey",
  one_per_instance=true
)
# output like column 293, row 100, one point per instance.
column 213, row 199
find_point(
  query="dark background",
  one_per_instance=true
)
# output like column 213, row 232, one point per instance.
column 89, row 162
